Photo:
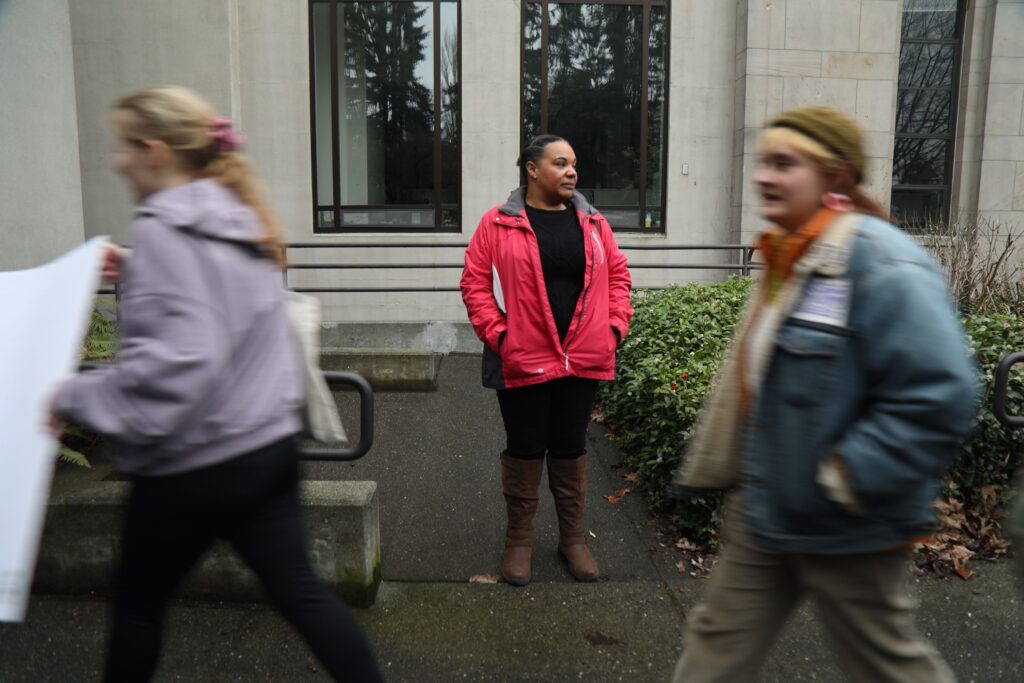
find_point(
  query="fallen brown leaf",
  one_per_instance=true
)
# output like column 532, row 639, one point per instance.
column 962, row 570
column 968, row 532
column 701, row 570
column 483, row 578
column 633, row 477
column 598, row 638
column 686, row 544
column 617, row 497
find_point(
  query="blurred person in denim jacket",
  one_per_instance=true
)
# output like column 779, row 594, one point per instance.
column 843, row 400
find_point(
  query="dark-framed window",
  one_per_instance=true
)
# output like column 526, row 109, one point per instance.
column 596, row 72
column 926, row 106
column 384, row 101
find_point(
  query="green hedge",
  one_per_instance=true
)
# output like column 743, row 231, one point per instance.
column 992, row 453
column 677, row 340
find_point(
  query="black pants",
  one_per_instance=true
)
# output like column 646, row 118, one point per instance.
column 251, row 501
column 548, row 418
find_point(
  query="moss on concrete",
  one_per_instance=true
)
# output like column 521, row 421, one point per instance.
column 556, row 631
column 354, row 589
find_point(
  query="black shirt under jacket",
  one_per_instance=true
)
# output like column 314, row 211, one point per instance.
column 562, row 260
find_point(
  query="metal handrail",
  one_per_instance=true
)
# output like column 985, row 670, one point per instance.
column 744, row 267
column 1000, row 391
column 335, row 379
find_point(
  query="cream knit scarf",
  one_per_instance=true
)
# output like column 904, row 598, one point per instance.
column 712, row 457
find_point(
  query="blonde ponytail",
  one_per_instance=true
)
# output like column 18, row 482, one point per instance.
column 234, row 171
column 187, row 124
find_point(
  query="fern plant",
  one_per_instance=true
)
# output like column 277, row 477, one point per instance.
column 100, row 344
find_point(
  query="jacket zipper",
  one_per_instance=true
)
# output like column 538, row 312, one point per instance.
column 597, row 244
column 519, row 224
column 583, row 307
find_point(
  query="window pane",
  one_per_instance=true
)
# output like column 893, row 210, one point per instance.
column 450, row 160
column 621, row 218
column 919, row 162
column 321, row 38
column 923, row 111
column 925, row 106
column 325, row 217
column 450, row 218
column 594, row 54
column 386, row 101
column 655, row 116
column 652, row 219
column 929, row 18
column 917, row 209
column 924, row 65
column 531, row 71
column 395, row 119
column 594, row 77
column 387, row 217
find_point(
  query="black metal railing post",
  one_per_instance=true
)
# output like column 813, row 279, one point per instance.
column 1001, row 389
column 336, row 379
column 284, row 269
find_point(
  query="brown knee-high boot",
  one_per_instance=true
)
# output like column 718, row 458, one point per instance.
column 568, row 482
column 520, row 480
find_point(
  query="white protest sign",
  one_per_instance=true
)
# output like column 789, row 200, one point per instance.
column 46, row 311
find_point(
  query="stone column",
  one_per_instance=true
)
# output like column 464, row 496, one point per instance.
column 124, row 45
column 491, row 40
column 1000, row 189
column 839, row 53
column 40, row 186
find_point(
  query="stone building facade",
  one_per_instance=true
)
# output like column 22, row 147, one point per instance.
column 663, row 100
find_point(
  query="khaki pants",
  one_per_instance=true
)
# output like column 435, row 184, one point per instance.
column 862, row 601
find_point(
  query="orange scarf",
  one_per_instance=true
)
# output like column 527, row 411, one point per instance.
column 782, row 249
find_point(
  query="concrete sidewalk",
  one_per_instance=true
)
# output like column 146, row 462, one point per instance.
column 435, row 461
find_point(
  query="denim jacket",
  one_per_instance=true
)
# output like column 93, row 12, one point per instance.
column 870, row 365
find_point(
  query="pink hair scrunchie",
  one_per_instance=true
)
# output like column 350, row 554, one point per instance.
column 224, row 137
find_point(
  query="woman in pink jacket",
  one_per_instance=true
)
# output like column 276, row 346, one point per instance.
column 547, row 291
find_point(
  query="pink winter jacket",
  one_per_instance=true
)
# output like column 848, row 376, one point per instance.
column 503, row 289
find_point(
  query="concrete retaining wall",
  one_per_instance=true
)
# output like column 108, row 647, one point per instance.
column 439, row 337
column 395, row 369
column 403, row 356
column 81, row 542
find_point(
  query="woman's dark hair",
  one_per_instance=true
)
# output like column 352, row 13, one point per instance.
column 533, row 151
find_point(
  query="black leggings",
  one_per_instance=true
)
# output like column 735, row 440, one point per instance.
column 251, row 501
column 549, row 418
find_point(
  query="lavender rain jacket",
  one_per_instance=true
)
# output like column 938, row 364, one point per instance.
column 206, row 369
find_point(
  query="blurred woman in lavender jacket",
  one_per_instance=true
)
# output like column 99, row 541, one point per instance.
column 204, row 398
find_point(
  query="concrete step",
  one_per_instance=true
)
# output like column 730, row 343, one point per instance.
column 82, row 536
column 394, row 369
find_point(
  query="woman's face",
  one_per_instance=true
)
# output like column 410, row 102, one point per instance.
column 791, row 185
column 134, row 160
column 554, row 175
